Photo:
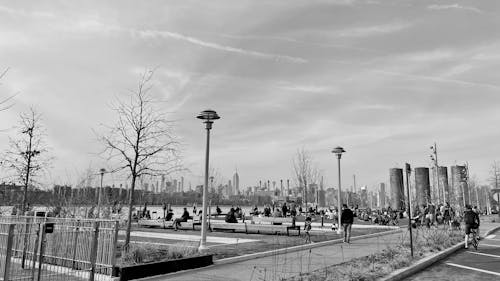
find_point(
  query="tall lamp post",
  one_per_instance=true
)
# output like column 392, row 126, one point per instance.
column 101, row 171
column 208, row 116
column 338, row 151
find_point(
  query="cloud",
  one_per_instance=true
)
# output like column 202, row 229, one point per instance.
column 304, row 88
column 294, row 40
column 434, row 55
column 438, row 79
column 454, row 7
column 199, row 42
column 24, row 13
column 374, row 30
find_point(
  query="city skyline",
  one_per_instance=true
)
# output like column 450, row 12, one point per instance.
column 376, row 78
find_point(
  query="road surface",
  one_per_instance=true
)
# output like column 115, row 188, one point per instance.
column 468, row 264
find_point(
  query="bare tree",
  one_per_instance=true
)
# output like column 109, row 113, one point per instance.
column 304, row 171
column 495, row 180
column 495, row 175
column 27, row 156
column 142, row 140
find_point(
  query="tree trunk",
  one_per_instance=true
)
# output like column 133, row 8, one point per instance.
column 129, row 220
column 27, row 179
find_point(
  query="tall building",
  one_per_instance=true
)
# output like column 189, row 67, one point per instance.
column 236, row 182
column 175, row 186
column 381, row 196
column 364, row 197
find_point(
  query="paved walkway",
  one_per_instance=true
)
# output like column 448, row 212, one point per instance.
column 274, row 268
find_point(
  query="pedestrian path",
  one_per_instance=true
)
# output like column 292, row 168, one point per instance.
column 187, row 237
column 277, row 267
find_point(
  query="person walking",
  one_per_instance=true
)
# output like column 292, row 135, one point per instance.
column 347, row 219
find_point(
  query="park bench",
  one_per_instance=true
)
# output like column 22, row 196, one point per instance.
column 241, row 226
column 155, row 223
column 273, row 224
column 191, row 223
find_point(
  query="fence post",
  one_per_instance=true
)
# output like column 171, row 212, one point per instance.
column 35, row 252
column 42, row 244
column 75, row 241
column 8, row 252
column 93, row 253
column 26, row 233
column 113, row 252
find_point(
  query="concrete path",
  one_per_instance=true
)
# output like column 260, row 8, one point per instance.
column 274, row 268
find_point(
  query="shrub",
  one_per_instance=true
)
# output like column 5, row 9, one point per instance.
column 391, row 258
column 144, row 253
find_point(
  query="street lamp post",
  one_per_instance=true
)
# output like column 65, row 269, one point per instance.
column 101, row 171
column 338, row 151
column 208, row 116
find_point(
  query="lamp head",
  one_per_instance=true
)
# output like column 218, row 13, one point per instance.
column 338, row 151
column 208, row 115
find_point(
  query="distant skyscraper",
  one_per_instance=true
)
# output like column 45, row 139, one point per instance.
column 182, row 183
column 381, row 196
column 175, row 186
column 236, row 182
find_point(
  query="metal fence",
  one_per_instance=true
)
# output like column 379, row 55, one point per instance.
column 38, row 248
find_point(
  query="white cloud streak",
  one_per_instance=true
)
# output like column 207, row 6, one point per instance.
column 304, row 88
column 196, row 41
column 438, row 79
column 374, row 30
column 454, row 7
column 24, row 13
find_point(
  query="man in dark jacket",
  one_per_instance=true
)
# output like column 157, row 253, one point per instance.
column 183, row 218
column 231, row 216
column 472, row 221
column 347, row 219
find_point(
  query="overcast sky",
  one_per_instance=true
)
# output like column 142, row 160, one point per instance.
column 384, row 79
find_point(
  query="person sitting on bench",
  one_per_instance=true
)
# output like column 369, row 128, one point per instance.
column 183, row 218
column 231, row 217
column 170, row 215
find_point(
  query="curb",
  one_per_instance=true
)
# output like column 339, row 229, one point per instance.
column 298, row 248
column 403, row 273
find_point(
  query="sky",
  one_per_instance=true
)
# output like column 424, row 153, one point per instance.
column 383, row 79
